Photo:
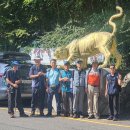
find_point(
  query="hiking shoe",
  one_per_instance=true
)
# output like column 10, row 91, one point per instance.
column 97, row 117
column 48, row 114
column 66, row 114
column 23, row 115
column 75, row 116
column 58, row 114
column 110, row 118
column 12, row 115
column 90, row 117
column 115, row 119
column 41, row 114
column 81, row 116
column 32, row 113
column 71, row 115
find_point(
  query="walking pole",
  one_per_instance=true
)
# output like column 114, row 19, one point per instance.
column 15, row 100
column 72, row 80
column 119, row 103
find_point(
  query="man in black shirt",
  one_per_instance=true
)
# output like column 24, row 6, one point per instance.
column 14, row 93
column 37, row 74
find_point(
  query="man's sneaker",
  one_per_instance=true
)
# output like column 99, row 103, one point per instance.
column 12, row 115
column 71, row 115
column 32, row 113
column 75, row 116
column 115, row 119
column 97, row 117
column 81, row 116
column 23, row 115
column 110, row 118
column 90, row 117
column 66, row 114
column 58, row 114
column 41, row 114
column 48, row 114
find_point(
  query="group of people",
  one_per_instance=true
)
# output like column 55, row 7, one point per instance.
column 68, row 86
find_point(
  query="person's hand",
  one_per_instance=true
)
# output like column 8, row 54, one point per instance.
column 86, row 90
column 15, row 85
column 66, row 79
column 18, row 82
column 47, row 90
column 106, row 94
column 119, row 77
column 40, row 73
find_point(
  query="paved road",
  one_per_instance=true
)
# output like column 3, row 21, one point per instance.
column 58, row 123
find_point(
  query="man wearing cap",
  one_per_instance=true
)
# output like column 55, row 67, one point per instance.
column 14, row 93
column 67, row 96
column 53, row 87
column 93, row 89
column 78, row 90
column 37, row 74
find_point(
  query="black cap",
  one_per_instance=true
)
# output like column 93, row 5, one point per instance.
column 79, row 62
column 66, row 63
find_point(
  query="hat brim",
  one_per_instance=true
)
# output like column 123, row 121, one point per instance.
column 80, row 62
column 14, row 64
column 37, row 59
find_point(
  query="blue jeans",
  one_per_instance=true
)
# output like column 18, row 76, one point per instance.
column 49, row 101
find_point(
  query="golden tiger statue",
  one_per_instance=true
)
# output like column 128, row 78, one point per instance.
column 92, row 44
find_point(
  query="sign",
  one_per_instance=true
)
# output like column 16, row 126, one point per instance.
column 48, row 54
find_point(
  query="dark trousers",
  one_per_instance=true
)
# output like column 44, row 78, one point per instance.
column 67, row 98
column 114, row 105
column 38, row 96
column 49, row 101
column 14, row 100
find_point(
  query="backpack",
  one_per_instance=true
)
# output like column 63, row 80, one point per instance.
column 7, row 68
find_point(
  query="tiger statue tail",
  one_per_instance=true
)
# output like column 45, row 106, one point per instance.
column 111, row 23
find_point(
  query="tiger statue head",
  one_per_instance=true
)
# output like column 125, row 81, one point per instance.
column 61, row 53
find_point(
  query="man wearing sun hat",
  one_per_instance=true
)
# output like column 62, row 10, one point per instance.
column 14, row 93
column 37, row 74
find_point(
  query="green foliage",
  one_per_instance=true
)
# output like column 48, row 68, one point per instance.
column 27, row 2
column 60, row 36
column 63, row 35
column 18, row 33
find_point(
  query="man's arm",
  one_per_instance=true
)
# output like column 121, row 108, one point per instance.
column 119, row 79
column 18, row 81
column 32, row 75
column 11, row 83
column 106, row 89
